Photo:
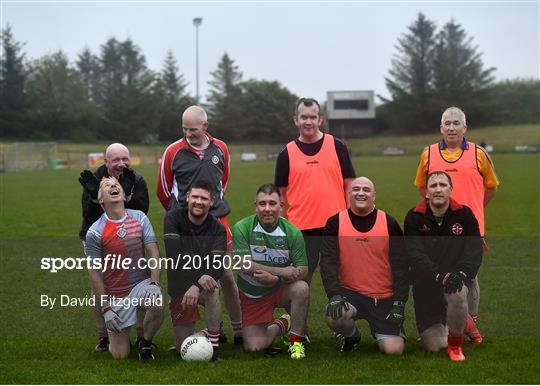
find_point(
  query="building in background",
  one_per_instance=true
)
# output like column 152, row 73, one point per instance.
column 351, row 114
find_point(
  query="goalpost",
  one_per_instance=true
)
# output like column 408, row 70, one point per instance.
column 27, row 156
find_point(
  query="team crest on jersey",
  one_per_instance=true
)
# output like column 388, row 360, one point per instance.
column 215, row 159
column 457, row 229
column 280, row 242
column 121, row 231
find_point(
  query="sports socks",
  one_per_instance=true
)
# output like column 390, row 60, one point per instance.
column 214, row 339
column 139, row 332
column 296, row 338
column 237, row 328
column 283, row 325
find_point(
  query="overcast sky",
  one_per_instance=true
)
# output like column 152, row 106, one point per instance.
column 309, row 47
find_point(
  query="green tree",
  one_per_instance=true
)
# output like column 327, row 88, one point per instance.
column 267, row 111
column 60, row 108
column 459, row 77
column 410, row 80
column 225, row 110
column 516, row 101
column 13, row 99
column 171, row 90
column 88, row 66
column 126, row 92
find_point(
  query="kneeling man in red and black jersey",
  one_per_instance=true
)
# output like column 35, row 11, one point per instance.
column 444, row 251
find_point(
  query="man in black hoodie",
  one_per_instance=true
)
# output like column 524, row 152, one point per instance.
column 445, row 252
column 195, row 242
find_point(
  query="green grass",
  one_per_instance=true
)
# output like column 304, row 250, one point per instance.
column 40, row 217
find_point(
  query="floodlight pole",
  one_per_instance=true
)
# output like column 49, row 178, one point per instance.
column 197, row 22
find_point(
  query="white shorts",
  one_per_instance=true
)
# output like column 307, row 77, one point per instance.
column 124, row 306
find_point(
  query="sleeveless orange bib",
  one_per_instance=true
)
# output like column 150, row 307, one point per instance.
column 364, row 263
column 315, row 190
column 468, row 183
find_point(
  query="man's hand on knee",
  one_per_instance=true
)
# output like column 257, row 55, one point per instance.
column 208, row 283
column 452, row 282
column 335, row 306
column 397, row 312
column 152, row 291
column 112, row 320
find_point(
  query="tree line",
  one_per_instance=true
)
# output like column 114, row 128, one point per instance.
column 113, row 95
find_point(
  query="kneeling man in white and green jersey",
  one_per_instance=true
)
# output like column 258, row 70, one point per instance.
column 275, row 277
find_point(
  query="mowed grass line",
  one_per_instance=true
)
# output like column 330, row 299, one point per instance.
column 41, row 217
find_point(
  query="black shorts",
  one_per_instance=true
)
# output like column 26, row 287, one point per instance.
column 313, row 240
column 374, row 311
column 429, row 303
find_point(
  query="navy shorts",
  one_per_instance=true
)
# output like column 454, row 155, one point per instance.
column 374, row 311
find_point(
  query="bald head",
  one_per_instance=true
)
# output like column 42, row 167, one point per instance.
column 363, row 181
column 362, row 196
column 195, row 124
column 195, row 115
column 114, row 148
column 116, row 159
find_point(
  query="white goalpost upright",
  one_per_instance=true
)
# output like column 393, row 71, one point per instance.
column 27, row 156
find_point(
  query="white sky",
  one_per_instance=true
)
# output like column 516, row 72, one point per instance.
column 309, row 47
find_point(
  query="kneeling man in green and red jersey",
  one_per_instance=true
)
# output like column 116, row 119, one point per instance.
column 276, row 276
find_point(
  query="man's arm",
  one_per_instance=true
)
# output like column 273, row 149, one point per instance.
column 139, row 199
column 226, row 164
column 330, row 257
column 471, row 257
column 218, row 249
column 281, row 179
column 347, row 169
column 96, row 280
column 165, row 178
column 487, row 170
column 488, row 195
column 417, row 256
column 152, row 250
column 283, row 192
column 288, row 274
column 346, row 188
column 398, row 261
column 421, row 172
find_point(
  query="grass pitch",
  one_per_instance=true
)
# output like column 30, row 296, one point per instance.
column 41, row 217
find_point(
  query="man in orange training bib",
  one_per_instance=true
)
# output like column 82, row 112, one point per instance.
column 474, row 179
column 313, row 173
column 364, row 272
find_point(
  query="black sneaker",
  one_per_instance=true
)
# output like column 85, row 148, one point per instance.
column 215, row 356
column 138, row 343
column 146, row 354
column 350, row 343
column 273, row 351
column 222, row 336
column 102, row 345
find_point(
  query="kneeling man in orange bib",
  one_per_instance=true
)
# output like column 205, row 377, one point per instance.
column 364, row 272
